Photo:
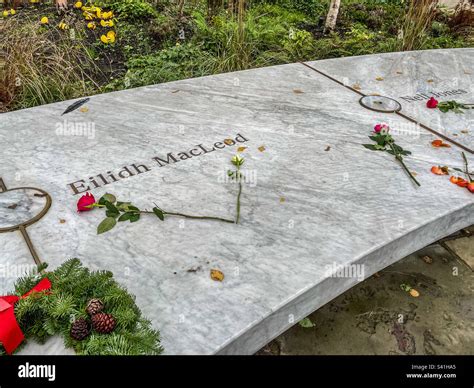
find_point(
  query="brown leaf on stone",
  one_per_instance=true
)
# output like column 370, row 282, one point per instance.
column 356, row 87
column 282, row 199
column 399, row 72
column 261, row 148
column 193, row 269
column 413, row 173
column 327, row 148
column 12, row 206
column 62, row 221
column 228, row 141
column 298, row 91
column 427, row 259
column 379, row 78
column 84, row 109
column 217, row 275
column 465, row 131
column 430, row 81
column 241, row 149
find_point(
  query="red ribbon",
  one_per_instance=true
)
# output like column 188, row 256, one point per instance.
column 10, row 333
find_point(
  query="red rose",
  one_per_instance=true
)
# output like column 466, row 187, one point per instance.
column 85, row 202
column 432, row 103
column 470, row 187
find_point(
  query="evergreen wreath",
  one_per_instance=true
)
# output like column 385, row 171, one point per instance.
column 72, row 286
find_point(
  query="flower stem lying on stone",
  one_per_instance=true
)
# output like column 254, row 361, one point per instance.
column 237, row 161
column 385, row 142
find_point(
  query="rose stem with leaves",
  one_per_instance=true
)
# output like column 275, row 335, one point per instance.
column 400, row 159
column 189, row 216
column 237, row 161
column 467, row 167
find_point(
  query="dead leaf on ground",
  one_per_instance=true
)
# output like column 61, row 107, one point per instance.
column 261, row 148
column 241, row 149
column 356, row 87
column 84, row 109
column 430, row 81
column 12, row 206
column 427, row 259
column 379, row 78
column 228, row 141
column 399, row 72
column 413, row 173
column 327, row 148
column 62, row 221
column 282, row 199
column 464, row 131
column 440, row 143
column 217, row 275
column 414, row 293
column 298, row 91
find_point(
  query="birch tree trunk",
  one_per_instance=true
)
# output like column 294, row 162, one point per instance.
column 332, row 15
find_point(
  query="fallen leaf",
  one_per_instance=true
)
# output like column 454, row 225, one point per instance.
column 282, row 199
column 455, row 134
column 175, row 91
column 414, row 293
column 464, row 131
column 217, row 275
column 427, row 259
column 438, row 170
column 261, row 148
column 374, row 94
column 193, row 269
column 356, row 87
column 298, row 91
column 439, row 143
column 228, row 141
column 306, row 323
column 84, row 109
column 12, row 206
column 413, row 173
column 399, row 72
column 241, row 149
column 327, row 148
column 62, row 221
column 457, row 180
column 430, row 81
column 379, row 78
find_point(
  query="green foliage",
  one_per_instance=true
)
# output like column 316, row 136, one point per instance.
column 45, row 314
column 170, row 64
column 130, row 9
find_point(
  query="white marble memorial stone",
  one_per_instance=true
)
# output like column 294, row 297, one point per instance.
column 314, row 200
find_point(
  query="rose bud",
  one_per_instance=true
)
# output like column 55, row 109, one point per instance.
column 85, row 203
column 382, row 127
column 432, row 103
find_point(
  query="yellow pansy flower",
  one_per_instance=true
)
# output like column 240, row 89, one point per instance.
column 109, row 38
column 44, row 20
column 109, row 23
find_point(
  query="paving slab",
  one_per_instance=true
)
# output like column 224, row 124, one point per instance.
column 315, row 200
column 464, row 248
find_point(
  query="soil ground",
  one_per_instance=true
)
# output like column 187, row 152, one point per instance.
column 377, row 317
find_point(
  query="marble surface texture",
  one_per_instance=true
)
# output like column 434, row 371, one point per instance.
column 315, row 199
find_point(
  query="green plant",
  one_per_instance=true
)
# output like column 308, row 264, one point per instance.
column 417, row 21
column 72, row 287
column 43, row 65
column 299, row 44
column 131, row 9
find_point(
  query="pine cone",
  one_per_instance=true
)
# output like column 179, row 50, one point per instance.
column 94, row 306
column 103, row 323
column 80, row 329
